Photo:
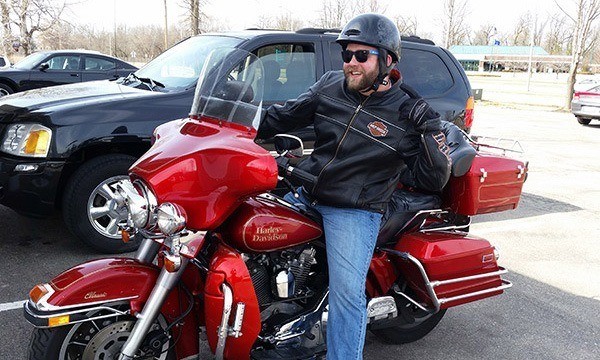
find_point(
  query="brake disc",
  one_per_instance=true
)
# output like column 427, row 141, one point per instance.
column 107, row 343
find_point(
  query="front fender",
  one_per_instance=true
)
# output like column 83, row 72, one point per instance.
column 91, row 285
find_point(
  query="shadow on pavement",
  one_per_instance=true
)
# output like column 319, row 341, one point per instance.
column 532, row 320
column 529, row 206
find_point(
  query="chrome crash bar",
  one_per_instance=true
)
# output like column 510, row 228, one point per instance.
column 224, row 330
column 431, row 285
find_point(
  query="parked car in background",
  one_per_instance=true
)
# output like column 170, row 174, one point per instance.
column 48, row 68
column 65, row 147
column 586, row 105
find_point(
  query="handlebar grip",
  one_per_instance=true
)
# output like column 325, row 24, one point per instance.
column 302, row 175
column 299, row 174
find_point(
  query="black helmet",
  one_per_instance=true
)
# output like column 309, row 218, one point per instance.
column 374, row 30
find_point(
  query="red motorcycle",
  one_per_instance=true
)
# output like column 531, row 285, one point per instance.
column 224, row 260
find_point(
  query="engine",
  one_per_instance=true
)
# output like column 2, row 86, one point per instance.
column 285, row 281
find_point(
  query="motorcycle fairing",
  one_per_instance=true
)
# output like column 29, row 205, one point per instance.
column 206, row 166
column 228, row 267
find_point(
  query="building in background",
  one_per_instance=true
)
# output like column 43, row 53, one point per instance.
column 508, row 58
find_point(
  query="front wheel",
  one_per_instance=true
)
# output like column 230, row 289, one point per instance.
column 583, row 121
column 90, row 209
column 412, row 322
column 99, row 339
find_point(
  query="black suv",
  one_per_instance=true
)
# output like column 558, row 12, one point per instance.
column 64, row 147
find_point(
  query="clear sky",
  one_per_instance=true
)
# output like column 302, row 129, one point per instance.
column 240, row 14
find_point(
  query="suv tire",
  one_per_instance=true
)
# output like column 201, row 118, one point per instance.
column 89, row 209
column 5, row 90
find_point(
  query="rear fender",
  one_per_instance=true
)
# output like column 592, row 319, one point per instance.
column 382, row 275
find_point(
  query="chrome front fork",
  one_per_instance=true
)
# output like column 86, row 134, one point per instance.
column 165, row 283
column 147, row 251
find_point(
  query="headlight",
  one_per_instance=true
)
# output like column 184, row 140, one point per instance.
column 27, row 140
column 171, row 218
column 140, row 201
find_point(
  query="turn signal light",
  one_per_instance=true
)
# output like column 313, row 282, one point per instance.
column 172, row 263
column 125, row 236
column 37, row 292
column 469, row 106
column 58, row 321
column 37, row 143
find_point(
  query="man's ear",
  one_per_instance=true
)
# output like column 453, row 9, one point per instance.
column 389, row 60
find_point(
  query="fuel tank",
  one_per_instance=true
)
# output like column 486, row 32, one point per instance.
column 262, row 225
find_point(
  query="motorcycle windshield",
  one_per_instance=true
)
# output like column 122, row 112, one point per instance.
column 230, row 88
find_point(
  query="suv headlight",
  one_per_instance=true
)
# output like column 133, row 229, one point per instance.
column 27, row 140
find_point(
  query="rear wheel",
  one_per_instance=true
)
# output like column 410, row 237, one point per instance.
column 412, row 322
column 99, row 339
column 90, row 209
column 583, row 121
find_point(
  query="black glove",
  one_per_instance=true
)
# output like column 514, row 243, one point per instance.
column 423, row 117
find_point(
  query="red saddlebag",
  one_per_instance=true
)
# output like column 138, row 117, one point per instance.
column 492, row 184
column 459, row 268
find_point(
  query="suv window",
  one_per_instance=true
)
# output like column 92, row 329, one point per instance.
column 335, row 54
column 290, row 69
column 93, row 63
column 426, row 72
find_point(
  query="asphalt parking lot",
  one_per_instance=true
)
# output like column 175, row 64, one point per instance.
column 550, row 245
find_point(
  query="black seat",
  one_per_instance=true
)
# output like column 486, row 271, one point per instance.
column 405, row 204
column 299, row 79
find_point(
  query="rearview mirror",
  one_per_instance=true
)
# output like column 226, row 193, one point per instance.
column 289, row 146
column 44, row 67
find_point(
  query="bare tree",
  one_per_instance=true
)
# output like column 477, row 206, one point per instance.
column 407, row 25
column 195, row 16
column 583, row 17
column 368, row 6
column 29, row 17
column 483, row 36
column 521, row 34
column 287, row 22
column 456, row 30
column 558, row 35
column 334, row 14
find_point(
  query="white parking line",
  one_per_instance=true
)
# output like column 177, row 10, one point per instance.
column 12, row 305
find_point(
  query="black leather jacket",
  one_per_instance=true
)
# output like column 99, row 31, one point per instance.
column 362, row 145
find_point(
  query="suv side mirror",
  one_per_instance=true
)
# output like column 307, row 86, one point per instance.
column 289, row 146
column 44, row 66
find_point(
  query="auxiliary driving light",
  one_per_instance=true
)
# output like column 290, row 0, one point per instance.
column 171, row 218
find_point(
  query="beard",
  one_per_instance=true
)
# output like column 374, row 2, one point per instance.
column 362, row 82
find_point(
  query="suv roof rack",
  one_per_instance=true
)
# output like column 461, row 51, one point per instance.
column 416, row 39
column 316, row 31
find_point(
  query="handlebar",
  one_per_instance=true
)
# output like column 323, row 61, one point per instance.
column 289, row 170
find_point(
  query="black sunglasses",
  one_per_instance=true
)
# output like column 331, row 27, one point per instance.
column 360, row 55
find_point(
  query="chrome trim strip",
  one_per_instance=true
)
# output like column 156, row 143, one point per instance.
column 223, row 329
column 44, row 306
column 502, row 271
column 506, row 284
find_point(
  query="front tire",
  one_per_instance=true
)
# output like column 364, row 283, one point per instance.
column 89, row 207
column 99, row 339
column 5, row 90
column 413, row 323
column 583, row 121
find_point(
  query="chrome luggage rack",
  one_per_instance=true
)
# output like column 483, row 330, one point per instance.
column 495, row 145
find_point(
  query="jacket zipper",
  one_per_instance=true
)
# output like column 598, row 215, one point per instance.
column 426, row 149
column 358, row 108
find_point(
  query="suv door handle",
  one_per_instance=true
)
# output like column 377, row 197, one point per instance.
column 75, row 75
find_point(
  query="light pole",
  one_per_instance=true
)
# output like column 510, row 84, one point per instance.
column 166, row 27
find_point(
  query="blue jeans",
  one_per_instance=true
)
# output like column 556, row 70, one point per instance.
column 350, row 235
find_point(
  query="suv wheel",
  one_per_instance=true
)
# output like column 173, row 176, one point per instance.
column 583, row 121
column 89, row 207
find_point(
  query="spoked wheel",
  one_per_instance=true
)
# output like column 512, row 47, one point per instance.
column 96, row 340
column 413, row 323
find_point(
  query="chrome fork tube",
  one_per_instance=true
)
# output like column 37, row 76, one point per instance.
column 165, row 283
column 147, row 251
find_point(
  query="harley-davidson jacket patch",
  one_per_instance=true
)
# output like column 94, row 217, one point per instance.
column 377, row 129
